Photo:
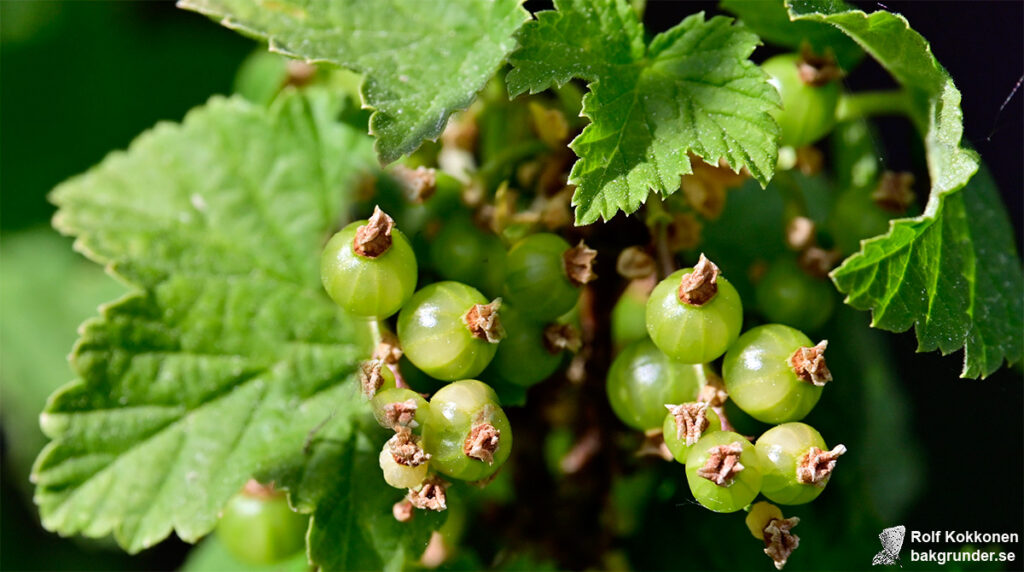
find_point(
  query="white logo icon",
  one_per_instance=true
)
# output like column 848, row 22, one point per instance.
column 892, row 542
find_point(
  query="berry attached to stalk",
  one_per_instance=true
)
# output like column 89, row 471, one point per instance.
column 809, row 99
column 766, row 524
column 789, row 295
column 449, row 331
column 400, row 408
column 544, row 275
column 685, row 424
column 468, row 435
column 775, row 374
column 796, row 463
column 368, row 268
column 403, row 461
column 530, row 351
column 695, row 314
column 723, row 471
column 258, row 527
column 642, row 380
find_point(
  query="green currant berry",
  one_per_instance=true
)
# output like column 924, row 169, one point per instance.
column 642, row 380
column 685, row 424
column 788, row 295
column 543, row 275
column 468, row 435
column 795, row 462
column 464, row 253
column 775, row 374
column 399, row 408
column 368, row 267
column 723, row 471
column 258, row 527
column 403, row 461
column 694, row 315
column 856, row 217
column 449, row 331
column 374, row 376
column 261, row 76
column 808, row 112
column 628, row 320
column 530, row 351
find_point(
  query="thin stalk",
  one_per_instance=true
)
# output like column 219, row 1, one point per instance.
column 872, row 103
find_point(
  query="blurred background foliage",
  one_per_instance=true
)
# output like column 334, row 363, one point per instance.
column 81, row 79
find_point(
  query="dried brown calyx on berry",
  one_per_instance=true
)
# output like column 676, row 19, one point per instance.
column 817, row 70
column 818, row 262
column 779, row 541
column 800, row 233
column 400, row 414
column 816, row 465
column 713, row 391
column 483, row 321
column 405, row 448
column 300, row 73
column 370, row 377
column 482, row 442
column 579, row 264
column 417, row 184
column 894, row 192
column 654, row 446
column 255, row 489
column 402, row 510
column 389, row 350
column 374, row 238
column 723, row 464
column 430, row 495
column 691, row 420
column 561, row 337
column 634, row 263
column 700, row 286
column 809, row 364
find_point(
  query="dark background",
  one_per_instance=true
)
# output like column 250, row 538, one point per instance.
column 82, row 79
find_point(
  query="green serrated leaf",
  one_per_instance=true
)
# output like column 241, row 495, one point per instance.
column 353, row 527
column 421, row 60
column 953, row 271
column 692, row 89
column 770, row 20
column 228, row 352
column 954, row 275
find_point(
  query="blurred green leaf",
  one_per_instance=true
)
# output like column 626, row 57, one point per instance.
column 46, row 290
column 210, row 555
column 770, row 20
column 421, row 60
column 229, row 352
column 340, row 482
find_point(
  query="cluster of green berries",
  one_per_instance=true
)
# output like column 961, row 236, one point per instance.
column 772, row 372
column 450, row 331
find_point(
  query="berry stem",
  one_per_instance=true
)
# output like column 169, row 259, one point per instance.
column 871, row 103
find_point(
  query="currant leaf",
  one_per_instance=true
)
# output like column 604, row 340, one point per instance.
column 339, row 482
column 227, row 352
column 420, row 60
column 953, row 271
column 770, row 20
column 692, row 89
